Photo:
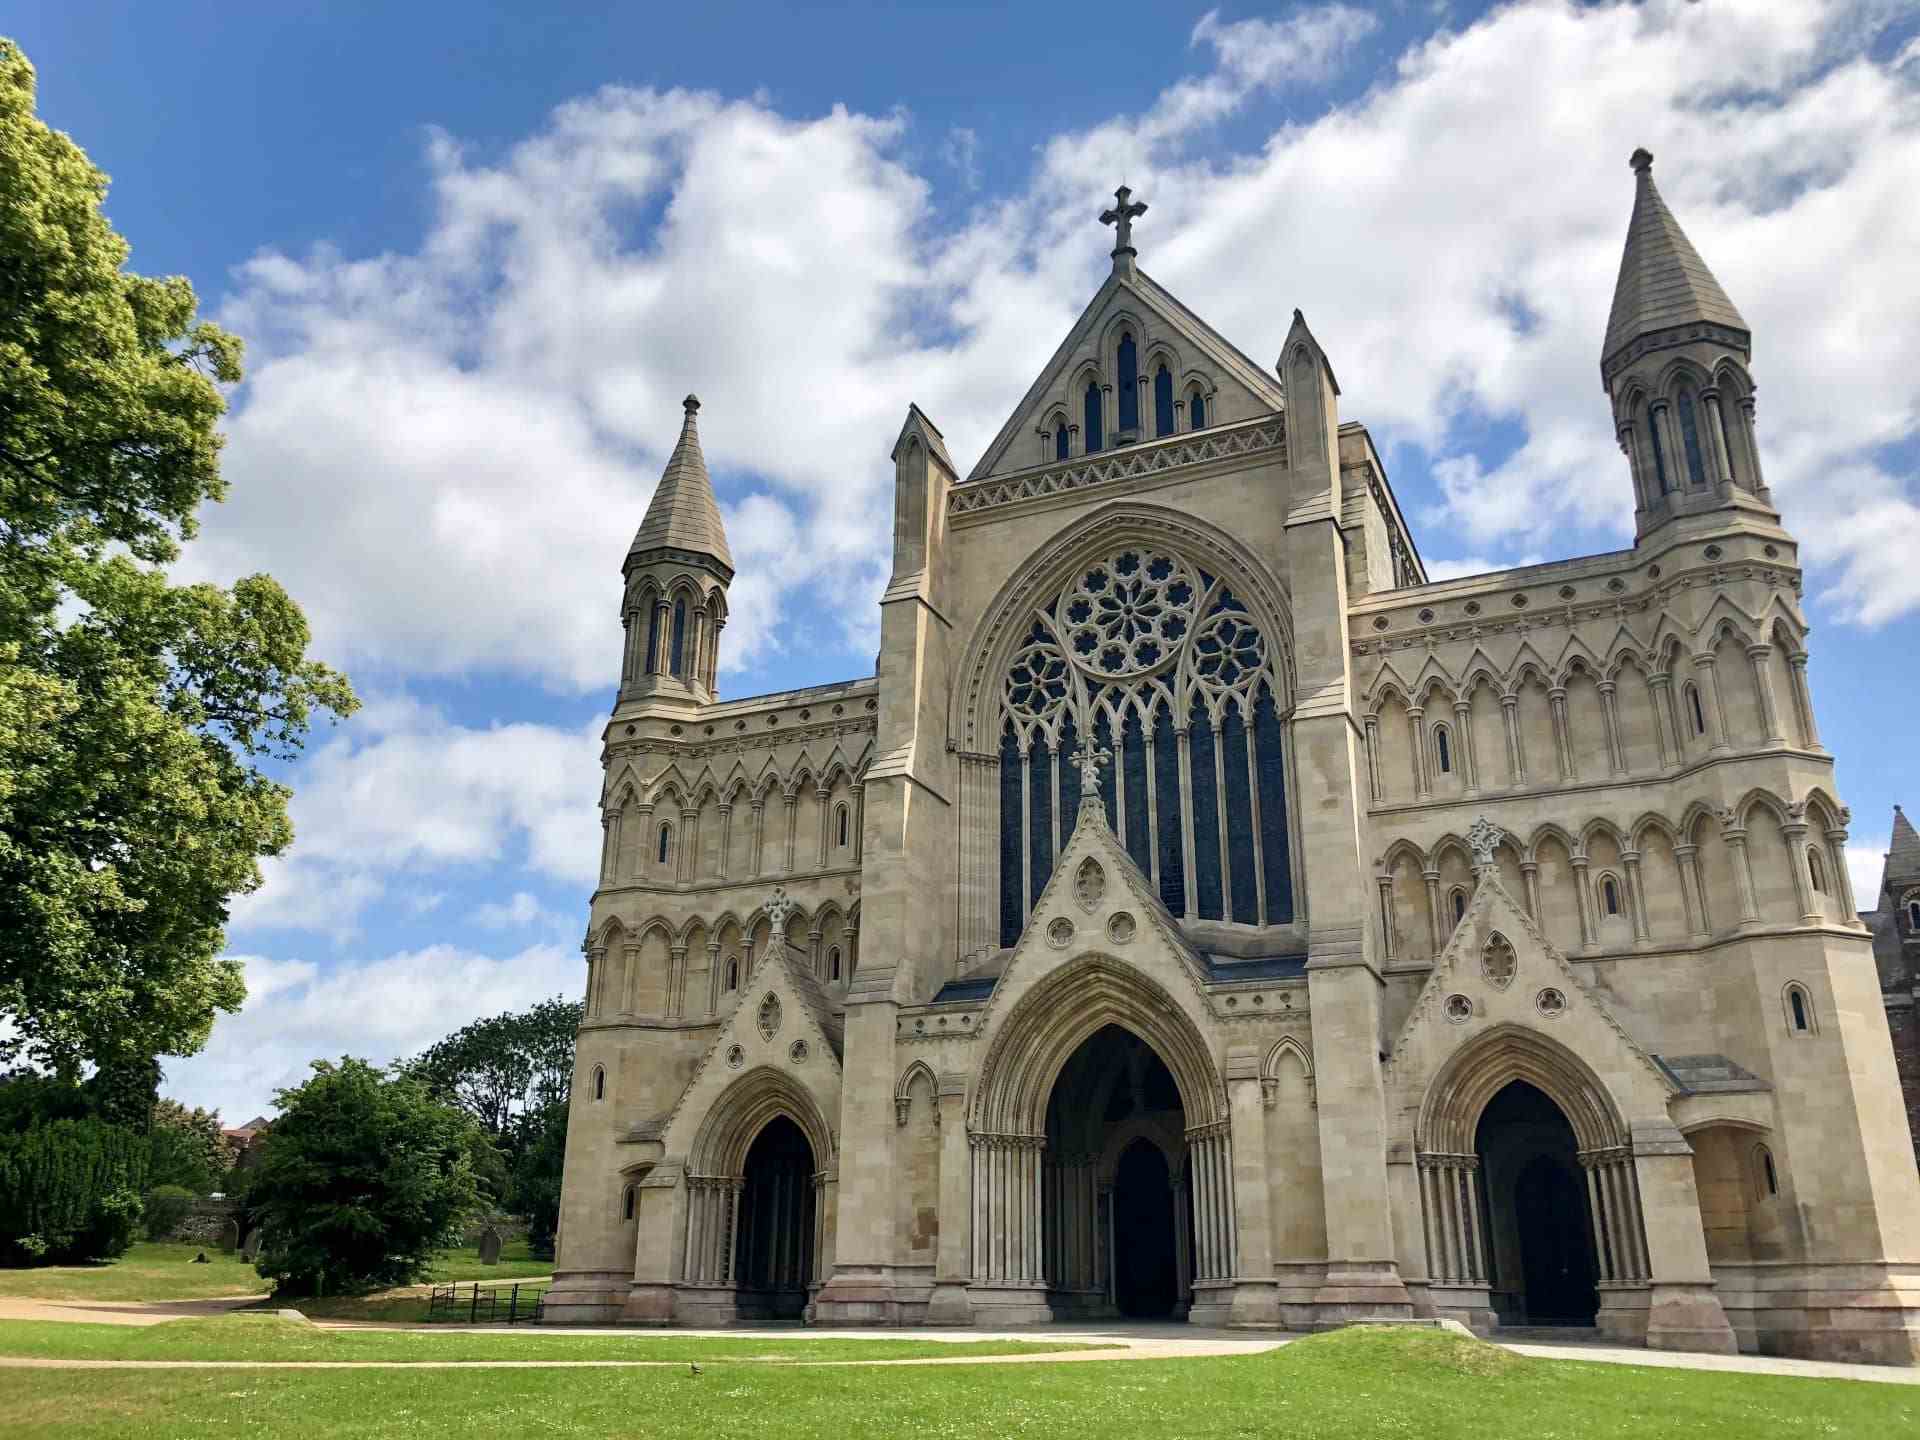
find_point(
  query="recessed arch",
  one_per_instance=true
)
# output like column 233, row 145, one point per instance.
column 1046, row 1025
column 744, row 1109
column 1450, row 1112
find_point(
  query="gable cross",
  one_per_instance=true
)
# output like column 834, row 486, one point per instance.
column 777, row 910
column 1089, row 765
column 1121, row 217
column 1483, row 838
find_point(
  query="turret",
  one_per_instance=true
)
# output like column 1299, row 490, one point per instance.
column 1675, row 365
column 677, row 572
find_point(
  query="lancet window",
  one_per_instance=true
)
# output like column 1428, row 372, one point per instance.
column 1163, row 422
column 1159, row 662
column 1091, row 419
column 1128, row 364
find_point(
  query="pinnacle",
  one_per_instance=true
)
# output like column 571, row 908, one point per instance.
column 1663, row 281
column 683, row 514
column 1903, row 854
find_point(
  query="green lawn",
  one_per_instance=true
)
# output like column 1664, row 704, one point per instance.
column 149, row 1271
column 1353, row 1385
column 248, row 1336
column 165, row 1271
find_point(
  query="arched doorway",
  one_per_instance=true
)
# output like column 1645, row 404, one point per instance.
column 774, row 1240
column 1539, row 1223
column 1114, row 1203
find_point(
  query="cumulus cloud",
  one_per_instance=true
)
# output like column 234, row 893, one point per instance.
column 1866, row 862
column 380, row 1009
column 445, row 451
column 403, row 791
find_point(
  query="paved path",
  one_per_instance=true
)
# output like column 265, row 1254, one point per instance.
column 1129, row 1342
column 121, row 1312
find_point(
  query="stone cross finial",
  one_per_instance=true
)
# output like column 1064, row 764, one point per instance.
column 1089, row 764
column 778, row 909
column 1483, row 838
column 1121, row 217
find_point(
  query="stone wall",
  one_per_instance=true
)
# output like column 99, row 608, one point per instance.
column 203, row 1222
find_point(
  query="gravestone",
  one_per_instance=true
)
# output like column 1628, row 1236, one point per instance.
column 489, row 1246
column 250, row 1251
column 230, row 1236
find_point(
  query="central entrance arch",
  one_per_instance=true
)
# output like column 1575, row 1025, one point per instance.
column 1540, row 1227
column 1115, row 1202
column 774, row 1243
column 1045, row 1153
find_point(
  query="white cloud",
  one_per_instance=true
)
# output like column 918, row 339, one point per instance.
column 962, row 152
column 444, row 452
column 401, row 792
column 520, row 912
column 381, row 1010
column 1866, row 862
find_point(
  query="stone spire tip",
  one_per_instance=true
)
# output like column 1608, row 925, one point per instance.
column 1641, row 160
column 691, row 404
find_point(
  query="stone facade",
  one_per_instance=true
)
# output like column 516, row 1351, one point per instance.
column 1201, row 913
column 1896, row 951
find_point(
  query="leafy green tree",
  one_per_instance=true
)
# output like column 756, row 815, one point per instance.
column 69, row 1190
column 535, row 1187
column 133, row 713
column 506, row 1068
column 362, row 1177
column 186, row 1148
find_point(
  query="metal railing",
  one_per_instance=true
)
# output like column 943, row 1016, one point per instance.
column 499, row 1303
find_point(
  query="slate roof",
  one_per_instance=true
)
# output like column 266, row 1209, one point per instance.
column 1663, row 281
column 1709, row 1074
column 683, row 514
column 1903, row 855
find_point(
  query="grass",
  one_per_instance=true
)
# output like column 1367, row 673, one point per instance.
column 1344, row 1386
column 254, row 1336
column 165, row 1270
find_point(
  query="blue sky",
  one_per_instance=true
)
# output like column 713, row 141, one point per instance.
column 479, row 253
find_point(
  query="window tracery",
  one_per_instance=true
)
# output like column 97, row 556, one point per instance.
column 1145, row 654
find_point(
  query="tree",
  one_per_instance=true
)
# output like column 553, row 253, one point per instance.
column 361, row 1178
column 534, row 1190
column 507, row 1068
column 133, row 713
column 186, row 1148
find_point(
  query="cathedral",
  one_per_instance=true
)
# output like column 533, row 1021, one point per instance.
column 1201, row 914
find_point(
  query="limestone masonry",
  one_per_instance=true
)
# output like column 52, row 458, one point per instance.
column 1201, row 913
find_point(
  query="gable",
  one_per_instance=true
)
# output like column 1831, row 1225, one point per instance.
column 1500, row 974
column 1164, row 332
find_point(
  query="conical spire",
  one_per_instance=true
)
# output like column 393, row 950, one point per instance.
column 1664, row 284
column 683, row 514
column 1903, row 855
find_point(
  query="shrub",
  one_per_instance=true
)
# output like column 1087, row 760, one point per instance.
column 69, row 1190
column 167, row 1206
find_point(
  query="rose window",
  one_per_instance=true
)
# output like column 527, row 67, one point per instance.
column 1128, row 614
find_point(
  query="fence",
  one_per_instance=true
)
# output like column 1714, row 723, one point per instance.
column 499, row 1303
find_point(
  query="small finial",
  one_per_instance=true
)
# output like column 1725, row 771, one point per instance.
column 778, row 909
column 1124, row 212
column 1483, row 838
column 1641, row 160
column 691, row 403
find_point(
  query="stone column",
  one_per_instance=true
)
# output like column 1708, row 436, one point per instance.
column 756, row 865
column 609, row 844
column 1689, row 858
column 714, row 978
column 1660, row 689
column 1562, row 740
column 1794, row 832
column 1736, row 838
column 1384, row 880
column 1684, row 1312
column 1463, row 746
column 1761, row 657
column 1516, row 752
column 1372, row 723
column 1803, row 702
column 820, row 795
column 726, row 838
column 1716, row 439
column 676, row 981
column 1710, row 704
column 689, row 844
column 1417, row 739
column 1256, row 1296
column 1610, row 707
column 1636, row 896
column 1530, row 880
column 596, row 975
column 855, row 818
column 1843, row 882
column 791, row 801
column 1752, row 446
column 1583, row 899
column 1436, row 930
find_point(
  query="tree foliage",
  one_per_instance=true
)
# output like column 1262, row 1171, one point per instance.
column 186, row 1148
column 534, row 1190
column 69, row 1190
column 133, row 713
column 361, row 1178
column 506, row 1068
